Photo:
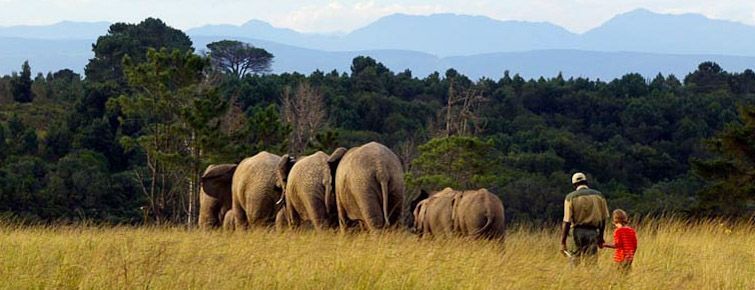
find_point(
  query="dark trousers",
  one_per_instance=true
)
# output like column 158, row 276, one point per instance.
column 586, row 240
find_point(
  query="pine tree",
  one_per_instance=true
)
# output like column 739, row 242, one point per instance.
column 21, row 85
column 731, row 173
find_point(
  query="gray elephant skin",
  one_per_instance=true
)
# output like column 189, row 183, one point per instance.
column 229, row 221
column 432, row 213
column 472, row 213
column 369, row 186
column 215, row 195
column 308, row 190
column 255, row 191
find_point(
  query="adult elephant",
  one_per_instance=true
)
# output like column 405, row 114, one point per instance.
column 369, row 186
column 478, row 214
column 308, row 189
column 432, row 212
column 255, row 190
column 215, row 194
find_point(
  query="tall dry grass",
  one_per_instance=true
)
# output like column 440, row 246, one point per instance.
column 672, row 255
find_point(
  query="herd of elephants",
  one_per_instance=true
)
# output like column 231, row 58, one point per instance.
column 361, row 187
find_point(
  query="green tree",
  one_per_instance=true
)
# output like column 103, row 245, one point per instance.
column 4, row 152
column 79, row 186
column 264, row 130
column 238, row 59
column 21, row 85
column 57, row 143
column 180, row 113
column 460, row 162
column 731, row 173
column 133, row 40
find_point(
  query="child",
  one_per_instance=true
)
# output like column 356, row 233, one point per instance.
column 624, row 240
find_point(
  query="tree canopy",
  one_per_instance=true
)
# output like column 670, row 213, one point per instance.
column 239, row 59
column 150, row 109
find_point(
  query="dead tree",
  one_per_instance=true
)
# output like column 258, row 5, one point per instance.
column 304, row 111
column 462, row 116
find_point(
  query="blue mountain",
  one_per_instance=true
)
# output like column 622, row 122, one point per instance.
column 645, row 31
column 60, row 30
column 451, row 34
column 438, row 34
column 637, row 41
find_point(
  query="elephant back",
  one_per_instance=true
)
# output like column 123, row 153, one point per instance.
column 254, row 188
column 309, row 170
column 259, row 168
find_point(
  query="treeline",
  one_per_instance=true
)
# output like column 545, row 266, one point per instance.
column 126, row 142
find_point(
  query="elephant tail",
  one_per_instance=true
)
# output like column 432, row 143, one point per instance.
column 329, row 195
column 384, row 191
column 489, row 219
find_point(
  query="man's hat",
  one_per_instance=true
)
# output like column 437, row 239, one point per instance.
column 578, row 177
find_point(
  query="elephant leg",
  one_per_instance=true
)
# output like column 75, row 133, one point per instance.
column 316, row 213
column 373, row 220
column 372, row 212
column 239, row 215
column 396, row 214
column 294, row 220
column 261, row 211
column 341, row 214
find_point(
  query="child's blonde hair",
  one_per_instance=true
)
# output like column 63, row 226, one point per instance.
column 620, row 217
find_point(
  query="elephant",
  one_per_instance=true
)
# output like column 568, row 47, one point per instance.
column 229, row 222
column 472, row 213
column 432, row 213
column 369, row 186
column 478, row 214
column 215, row 195
column 255, row 191
column 308, row 190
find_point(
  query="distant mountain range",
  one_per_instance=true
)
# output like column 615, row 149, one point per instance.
column 637, row 41
column 60, row 30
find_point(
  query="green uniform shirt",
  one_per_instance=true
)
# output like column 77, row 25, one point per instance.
column 585, row 207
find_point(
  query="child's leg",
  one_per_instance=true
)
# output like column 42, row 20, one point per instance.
column 624, row 266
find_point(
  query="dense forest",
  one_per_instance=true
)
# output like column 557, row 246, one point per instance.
column 127, row 141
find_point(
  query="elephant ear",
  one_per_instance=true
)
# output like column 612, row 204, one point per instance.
column 419, row 215
column 284, row 167
column 455, row 209
column 216, row 180
column 336, row 156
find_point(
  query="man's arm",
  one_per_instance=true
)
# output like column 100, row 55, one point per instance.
column 602, row 226
column 565, row 227
column 601, row 231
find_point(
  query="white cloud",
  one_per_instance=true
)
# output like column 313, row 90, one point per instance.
column 340, row 16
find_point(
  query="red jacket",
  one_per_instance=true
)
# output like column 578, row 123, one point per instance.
column 625, row 240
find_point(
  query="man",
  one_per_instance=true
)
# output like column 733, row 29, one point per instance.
column 586, row 212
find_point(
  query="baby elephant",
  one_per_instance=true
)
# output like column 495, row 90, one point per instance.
column 432, row 213
column 472, row 213
column 478, row 214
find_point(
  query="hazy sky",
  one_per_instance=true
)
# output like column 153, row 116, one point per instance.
column 344, row 16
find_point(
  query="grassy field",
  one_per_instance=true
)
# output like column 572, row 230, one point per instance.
column 672, row 255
